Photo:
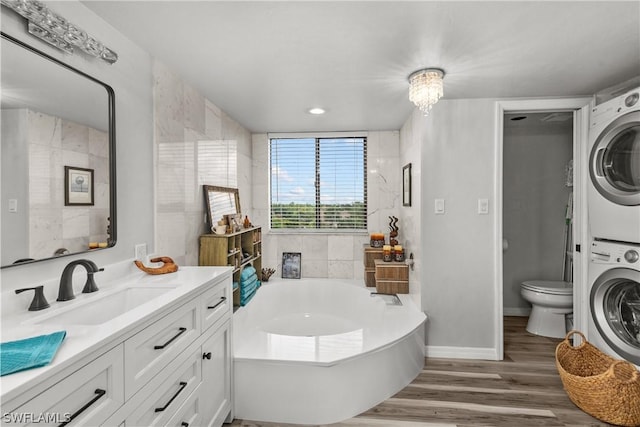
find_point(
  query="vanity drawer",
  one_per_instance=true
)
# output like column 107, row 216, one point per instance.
column 190, row 414
column 216, row 303
column 86, row 397
column 151, row 349
column 164, row 400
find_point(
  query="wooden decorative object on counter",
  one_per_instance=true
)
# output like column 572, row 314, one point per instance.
column 391, row 277
column 168, row 266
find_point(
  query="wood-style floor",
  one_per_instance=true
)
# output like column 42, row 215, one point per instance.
column 522, row 390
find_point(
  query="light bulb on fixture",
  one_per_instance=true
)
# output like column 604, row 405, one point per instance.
column 426, row 88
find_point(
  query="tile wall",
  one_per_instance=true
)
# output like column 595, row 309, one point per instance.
column 330, row 255
column 186, row 123
column 54, row 143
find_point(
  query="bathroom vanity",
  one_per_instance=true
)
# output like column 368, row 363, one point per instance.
column 143, row 350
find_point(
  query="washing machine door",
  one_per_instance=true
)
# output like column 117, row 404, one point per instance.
column 615, row 308
column 614, row 164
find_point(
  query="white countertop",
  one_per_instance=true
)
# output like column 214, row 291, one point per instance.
column 82, row 340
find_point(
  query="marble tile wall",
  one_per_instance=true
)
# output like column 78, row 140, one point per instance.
column 54, row 143
column 196, row 143
column 328, row 255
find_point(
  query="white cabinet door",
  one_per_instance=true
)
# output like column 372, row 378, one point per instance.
column 216, row 375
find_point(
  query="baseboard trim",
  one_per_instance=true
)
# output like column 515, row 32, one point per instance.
column 516, row 311
column 461, row 352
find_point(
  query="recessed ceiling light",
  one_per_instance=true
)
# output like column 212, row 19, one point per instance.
column 316, row 111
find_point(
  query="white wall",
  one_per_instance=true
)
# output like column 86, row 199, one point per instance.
column 15, row 185
column 535, row 196
column 457, row 154
column 131, row 79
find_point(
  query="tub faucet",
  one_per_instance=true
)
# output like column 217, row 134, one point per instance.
column 65, row 293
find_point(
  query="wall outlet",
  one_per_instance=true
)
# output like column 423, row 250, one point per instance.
column 141, row 252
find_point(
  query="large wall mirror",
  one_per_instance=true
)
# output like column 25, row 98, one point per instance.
column 57, row 158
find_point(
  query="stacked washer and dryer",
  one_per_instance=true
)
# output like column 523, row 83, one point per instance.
column 613, row 201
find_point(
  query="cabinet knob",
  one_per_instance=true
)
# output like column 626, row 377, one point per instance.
column 207, row 355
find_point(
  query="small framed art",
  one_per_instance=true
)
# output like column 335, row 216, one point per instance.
column 406, row 185
column 291, row 265
column 78, row 186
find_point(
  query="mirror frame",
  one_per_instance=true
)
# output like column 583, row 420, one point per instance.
column 207, row 201
column 112, row 149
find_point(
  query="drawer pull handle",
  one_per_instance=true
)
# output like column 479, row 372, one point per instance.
column 160, row 347
column 99, row 393
column 222, row 299
column 183, row 384
column 207, row 356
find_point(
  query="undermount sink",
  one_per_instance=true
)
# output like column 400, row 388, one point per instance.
column 101, row 310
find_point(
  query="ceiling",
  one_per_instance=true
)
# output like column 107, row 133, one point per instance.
column 265, row 63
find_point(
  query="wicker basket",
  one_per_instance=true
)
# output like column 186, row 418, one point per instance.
column 603, row 387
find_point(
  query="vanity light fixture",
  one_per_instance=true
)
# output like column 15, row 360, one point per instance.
column 57, row 31
column 425, row 88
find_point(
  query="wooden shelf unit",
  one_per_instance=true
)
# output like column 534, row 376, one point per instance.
column 229, row 249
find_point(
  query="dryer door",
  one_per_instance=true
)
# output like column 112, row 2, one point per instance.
column 615, row 308
column 614, row 164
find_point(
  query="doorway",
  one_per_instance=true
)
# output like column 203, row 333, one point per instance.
column 579, row 109
column 537, row 202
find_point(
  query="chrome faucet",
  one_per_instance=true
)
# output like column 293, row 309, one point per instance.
column 65, row 293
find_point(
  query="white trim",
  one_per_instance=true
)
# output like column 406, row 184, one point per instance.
column 519, row 105
column 350, row 134
column 517, row 311
column 461, row 352
column 580, row 230
column 497, row 243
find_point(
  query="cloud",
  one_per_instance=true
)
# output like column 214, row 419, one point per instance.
column 281, row 174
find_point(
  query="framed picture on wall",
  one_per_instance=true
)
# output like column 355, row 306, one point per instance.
column 78, row 186
column 406, row 185
column 291, row 265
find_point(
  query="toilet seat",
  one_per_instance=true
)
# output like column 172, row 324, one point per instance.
column 551, row 287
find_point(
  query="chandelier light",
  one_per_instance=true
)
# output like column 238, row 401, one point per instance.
column 425, row 88
column 57, row 31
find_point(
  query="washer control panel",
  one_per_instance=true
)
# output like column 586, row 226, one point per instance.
column 619, row 105
column 622, row 254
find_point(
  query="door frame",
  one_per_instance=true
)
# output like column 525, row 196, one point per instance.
column 580, row 108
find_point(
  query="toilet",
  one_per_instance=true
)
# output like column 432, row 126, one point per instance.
column 551, row 301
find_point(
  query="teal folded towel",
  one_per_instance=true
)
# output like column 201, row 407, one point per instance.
column 29, row 353
column 247, row 272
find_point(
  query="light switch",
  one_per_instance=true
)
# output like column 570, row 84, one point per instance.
column 13, row 205
column 483, row 206
column 439, row 206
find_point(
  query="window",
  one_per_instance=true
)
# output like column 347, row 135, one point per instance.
column 318, row 183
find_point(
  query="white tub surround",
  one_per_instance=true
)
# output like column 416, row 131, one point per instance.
column 138, row 356
column 318, row 351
